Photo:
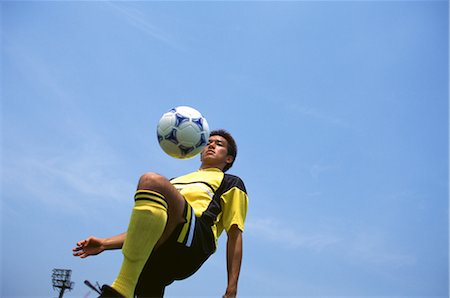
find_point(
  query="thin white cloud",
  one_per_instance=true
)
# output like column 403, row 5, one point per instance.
column 373, row 248
column 321, row 116
column 317, row 170
column 362, row 247
column 63, row 177
column 34, row 69
column 308, row 111
column 138, row 20
column 66, row 180
column 282, row 234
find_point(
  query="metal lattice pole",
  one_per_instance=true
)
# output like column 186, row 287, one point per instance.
column 61, row 280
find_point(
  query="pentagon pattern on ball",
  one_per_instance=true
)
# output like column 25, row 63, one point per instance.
column 182, row 132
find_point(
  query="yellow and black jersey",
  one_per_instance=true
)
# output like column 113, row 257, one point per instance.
column 215, row 201
column 219, row 198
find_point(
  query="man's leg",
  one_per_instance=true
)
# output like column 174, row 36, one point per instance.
column 153, row 278
column 158, row 210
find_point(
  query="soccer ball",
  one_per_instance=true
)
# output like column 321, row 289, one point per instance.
column 182, row 132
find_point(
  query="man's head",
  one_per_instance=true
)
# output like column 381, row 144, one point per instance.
column 221, row 150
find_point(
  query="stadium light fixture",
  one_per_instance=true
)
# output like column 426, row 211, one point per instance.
column 61, row 280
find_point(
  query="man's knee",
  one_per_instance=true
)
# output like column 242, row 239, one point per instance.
column 152, row 181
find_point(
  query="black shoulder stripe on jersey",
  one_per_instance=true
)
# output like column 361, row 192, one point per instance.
column 234, row 181
column 228, row 182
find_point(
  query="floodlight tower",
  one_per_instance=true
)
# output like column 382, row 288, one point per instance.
column 61, row 280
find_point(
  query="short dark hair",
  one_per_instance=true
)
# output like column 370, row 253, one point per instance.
column 231, row 148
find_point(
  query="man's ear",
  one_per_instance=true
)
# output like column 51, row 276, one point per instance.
column 229, row 159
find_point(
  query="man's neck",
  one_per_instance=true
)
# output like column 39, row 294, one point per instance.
column 204, row 167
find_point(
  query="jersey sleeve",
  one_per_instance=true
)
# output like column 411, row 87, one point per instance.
column 234, row 206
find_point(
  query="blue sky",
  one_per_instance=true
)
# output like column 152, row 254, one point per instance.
column 340, row 111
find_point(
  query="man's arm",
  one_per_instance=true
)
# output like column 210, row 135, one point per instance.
column 234, row 260
column 93, row 245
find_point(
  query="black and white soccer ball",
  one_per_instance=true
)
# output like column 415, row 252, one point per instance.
column 183, row 132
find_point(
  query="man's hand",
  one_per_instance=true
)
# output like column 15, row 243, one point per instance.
column 92, row 246
column 89, row 247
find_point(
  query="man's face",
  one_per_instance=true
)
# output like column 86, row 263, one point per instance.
column 215, row 154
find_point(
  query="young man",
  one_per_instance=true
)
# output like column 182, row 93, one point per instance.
column 174, row 225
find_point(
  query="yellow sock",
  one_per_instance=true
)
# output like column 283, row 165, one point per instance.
column 147, row 222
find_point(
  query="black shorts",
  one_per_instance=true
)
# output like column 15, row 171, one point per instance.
column 179, row 257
